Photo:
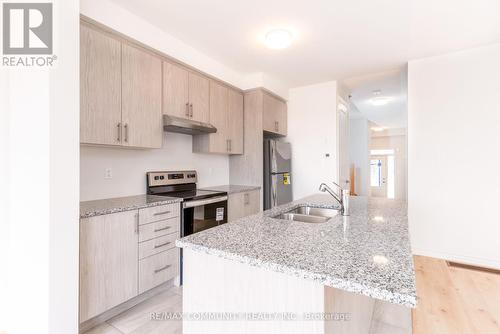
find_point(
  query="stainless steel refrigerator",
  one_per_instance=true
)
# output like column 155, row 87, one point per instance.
column 278, row 178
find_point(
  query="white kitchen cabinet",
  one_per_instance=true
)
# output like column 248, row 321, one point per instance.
column 243, row 204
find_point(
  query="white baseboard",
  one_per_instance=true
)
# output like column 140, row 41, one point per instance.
column 475, row 261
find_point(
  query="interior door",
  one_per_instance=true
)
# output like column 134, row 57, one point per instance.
column 378, row 176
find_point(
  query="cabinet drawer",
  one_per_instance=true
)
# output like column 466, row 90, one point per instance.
column 158, row 268
column 159, row 228
column 156, row 213
column 157, row 245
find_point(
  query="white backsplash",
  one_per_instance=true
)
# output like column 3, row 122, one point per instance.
column 128, row 167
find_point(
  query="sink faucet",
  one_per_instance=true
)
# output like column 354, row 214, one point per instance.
column 342, row 198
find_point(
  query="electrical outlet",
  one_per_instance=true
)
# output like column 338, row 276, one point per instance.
column 108, row 173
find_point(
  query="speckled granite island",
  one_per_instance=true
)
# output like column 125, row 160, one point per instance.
column 347, row 275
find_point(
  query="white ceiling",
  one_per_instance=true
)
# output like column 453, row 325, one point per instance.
column 392, row 85
column 333, row 38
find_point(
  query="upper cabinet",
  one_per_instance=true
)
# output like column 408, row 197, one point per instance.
column 274, row 115
column 120, row 102
column 235, row 102
column 100, row 88
column 141, row 98
column 185, row 93
column 226, row 114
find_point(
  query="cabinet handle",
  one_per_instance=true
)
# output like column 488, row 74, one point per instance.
column 191, row 112
column 126, row 132
column 276, row 126
column 119, row 126
column 164, row 244
column 247, row 199
column 161, row 229
column 164, row 268
column 161, row 213
column 187, row 109
column 230, row 145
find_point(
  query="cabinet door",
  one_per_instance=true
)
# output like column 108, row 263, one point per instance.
column 141, row 98
column 271, row 114
column 108, row 262
column 175, row 90
column 100, row 71
column 252, row 202
column 219, row 116
column 283, row 118
column 235, row 206
column 235, row 122
column 199, row 97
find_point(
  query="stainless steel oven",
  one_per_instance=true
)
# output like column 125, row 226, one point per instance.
column 202, row 214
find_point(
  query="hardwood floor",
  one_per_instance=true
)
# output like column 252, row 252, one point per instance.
column 455, row 300
column 450, row 301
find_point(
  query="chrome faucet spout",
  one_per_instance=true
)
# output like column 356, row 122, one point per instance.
column 342, row 199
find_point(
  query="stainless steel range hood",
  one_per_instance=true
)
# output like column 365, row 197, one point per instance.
column 186, row 126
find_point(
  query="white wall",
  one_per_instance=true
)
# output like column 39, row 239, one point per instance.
column 359, row 152
column 453, row 157
column 312, row 133
column 40, row 214
column 398, row 143
column 129, row 167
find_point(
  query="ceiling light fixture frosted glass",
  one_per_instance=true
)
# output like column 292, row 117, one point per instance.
column 278, row 39
column 380, row 100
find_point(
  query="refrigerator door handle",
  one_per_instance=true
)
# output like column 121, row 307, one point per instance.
column 274, row 164
column 274, row 191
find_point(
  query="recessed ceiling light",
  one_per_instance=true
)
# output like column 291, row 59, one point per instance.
column 278, row 39
column 378, row 218
column 380, row 100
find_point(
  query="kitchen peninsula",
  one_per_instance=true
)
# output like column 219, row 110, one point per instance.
column 357, row 270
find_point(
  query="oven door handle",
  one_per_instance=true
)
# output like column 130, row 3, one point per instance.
column 201, row 202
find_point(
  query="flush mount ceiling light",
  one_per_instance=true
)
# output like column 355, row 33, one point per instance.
column 377, row 129
column 278, row 39
column 380, row 100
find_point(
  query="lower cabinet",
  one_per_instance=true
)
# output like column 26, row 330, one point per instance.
column 125, row 254
column 243, row 204
column 108, row 262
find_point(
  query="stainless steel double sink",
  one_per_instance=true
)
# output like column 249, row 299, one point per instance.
column 308, row 214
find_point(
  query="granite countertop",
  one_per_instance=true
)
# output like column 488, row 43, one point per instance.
column 367, row 253
column 120, row 204
column 232, row 188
